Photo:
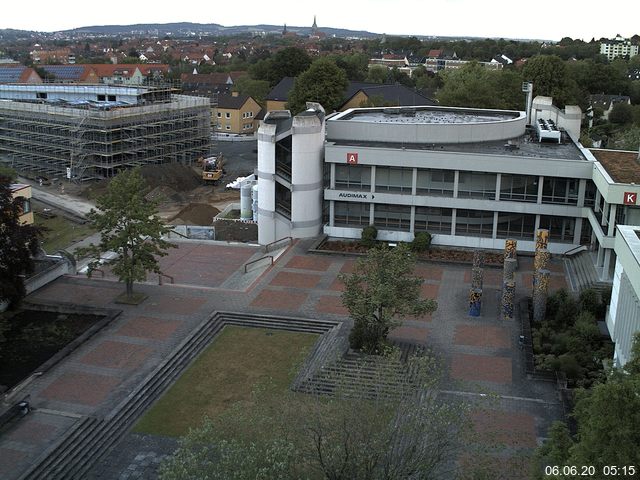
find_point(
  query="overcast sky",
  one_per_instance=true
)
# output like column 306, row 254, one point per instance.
column 542, row 19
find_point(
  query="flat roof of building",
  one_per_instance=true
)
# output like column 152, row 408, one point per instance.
column 426, row 115
column 517, row 147
column 622, row 166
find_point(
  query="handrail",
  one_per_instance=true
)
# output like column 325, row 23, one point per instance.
column 574, row 249
column 160, row 275
column 268, row 245
column 257, row 260
column 178, row 233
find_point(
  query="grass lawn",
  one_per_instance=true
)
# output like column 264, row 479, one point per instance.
column 61, row 232
column 225, row 373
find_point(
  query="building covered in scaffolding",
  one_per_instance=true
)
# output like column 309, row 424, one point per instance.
column 93, row 131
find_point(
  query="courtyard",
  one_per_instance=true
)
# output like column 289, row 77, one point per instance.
column 481, row 354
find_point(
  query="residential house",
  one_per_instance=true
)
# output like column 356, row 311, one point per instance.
column 387, row 95
column 606, row 102
column 618, row 47
column 71, row 73
column 235, row 113
column 23, row 193
column 11, row 73
column 279, row 95
column 129, row 74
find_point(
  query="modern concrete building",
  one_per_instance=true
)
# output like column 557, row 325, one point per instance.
column 470, row 177
column 623, row 316
column 618, row 47
column 290, row 174
column 92, row 131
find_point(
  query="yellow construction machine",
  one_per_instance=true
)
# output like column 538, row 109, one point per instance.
column 213, row 169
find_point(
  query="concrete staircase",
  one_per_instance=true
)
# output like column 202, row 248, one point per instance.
column 92, row 438
column 582, row 274
column 365, row 376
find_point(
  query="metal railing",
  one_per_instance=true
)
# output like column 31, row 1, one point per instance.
column 574, row 250
column 270, row 257
column 161, row 275
column 269, row 247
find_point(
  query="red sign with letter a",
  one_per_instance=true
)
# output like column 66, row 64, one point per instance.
column 352, row 158
column 630, row 198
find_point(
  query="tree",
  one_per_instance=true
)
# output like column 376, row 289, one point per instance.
column 381, row 290
column 608, row 424
column 18, row 244
column 377, row 424
column 550, row 78
column 621, row 113
column 378, row 74
column 257, row 89
column 128, row 226
column 324, row 82
column 288, row 62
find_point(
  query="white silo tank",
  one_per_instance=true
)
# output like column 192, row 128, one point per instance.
column 254, row 204
column 245, row 201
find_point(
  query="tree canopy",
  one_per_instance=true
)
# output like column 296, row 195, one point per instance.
column 365, row 430
column 551, row 78
column 381, row 290
column 128, row 226
column 324, row 82
column 608, row 424
column 18, row 244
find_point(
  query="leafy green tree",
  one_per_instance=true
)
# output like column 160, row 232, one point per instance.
column 608, row 424
column 288, row 62
column 257, row 89
column 354, row 65
column 324, row 82
column 377, row 74
column 129, row 227
column 18, row 245
column 381, row 290
column 375, row 426
column 550, row 78
column 621, row 113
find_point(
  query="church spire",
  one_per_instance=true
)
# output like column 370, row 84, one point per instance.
column 315, row 25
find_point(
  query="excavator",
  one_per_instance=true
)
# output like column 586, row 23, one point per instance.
column 213, row 169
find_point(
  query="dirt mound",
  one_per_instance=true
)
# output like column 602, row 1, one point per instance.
column 164, row 194
column 195, row 214
column 173, row 175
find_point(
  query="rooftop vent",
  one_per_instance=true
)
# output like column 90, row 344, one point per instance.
column 547, row 130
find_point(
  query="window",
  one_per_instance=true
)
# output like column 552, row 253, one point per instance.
column 474, row 223
column 351, row 214
column 353, row 177
column 435, row 182
column 477, row 185
column 227, row 115
column 392, row 217
column 590, row 194
column 41, row 95
column 560, row 190
column 519, row 188
column 250, row 114
column 433, row 220
column 102, row 98
column 24, row 205
column 228, row 127
column 219, row 114
column 560, row 228
column 516, row 225
column 111, row 98
column 394, row 179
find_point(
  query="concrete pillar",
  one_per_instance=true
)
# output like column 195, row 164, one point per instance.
column 600, row 257
column 510, row 267
column 412, row 220
column 456, row 182
column 453, row 221
column 475, row 302
column 577, row 232
column 373, row 179
column 540, row 295
column 494, row 232
column 332, row 176
column 510, row 246
column 414, row 182
column 582, row 190
column 613, row 209
column 606, row 265
column 498, row 184
column 508, row 298
column 332, row 212
column 540, row 187
column 542, row 238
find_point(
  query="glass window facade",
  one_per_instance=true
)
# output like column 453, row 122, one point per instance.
column 516, row 225
column 392, row 217
column 353, row 177
column 474, row 223
column 394, row 179
column 561, row 229
column 560, row 191
column 351, row 214
column 433, row 220
column 519, row 188
column 435, row 182
column 477, row 185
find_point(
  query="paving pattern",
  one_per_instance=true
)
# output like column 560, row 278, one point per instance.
column 480, row 354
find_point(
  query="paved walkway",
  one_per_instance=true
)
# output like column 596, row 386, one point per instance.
column 481, row 354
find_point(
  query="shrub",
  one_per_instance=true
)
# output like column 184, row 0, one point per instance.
column 590, row 301
column 369, row 235
column 421, row 242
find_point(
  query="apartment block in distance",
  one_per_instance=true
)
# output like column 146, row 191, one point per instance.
column 93, row 131
column 618, row 47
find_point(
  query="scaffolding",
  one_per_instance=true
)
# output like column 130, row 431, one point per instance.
column 84, row 142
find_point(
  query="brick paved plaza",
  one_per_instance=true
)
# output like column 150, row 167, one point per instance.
column 481, row 354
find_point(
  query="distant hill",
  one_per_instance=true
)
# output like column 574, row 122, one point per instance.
column 194, row 29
